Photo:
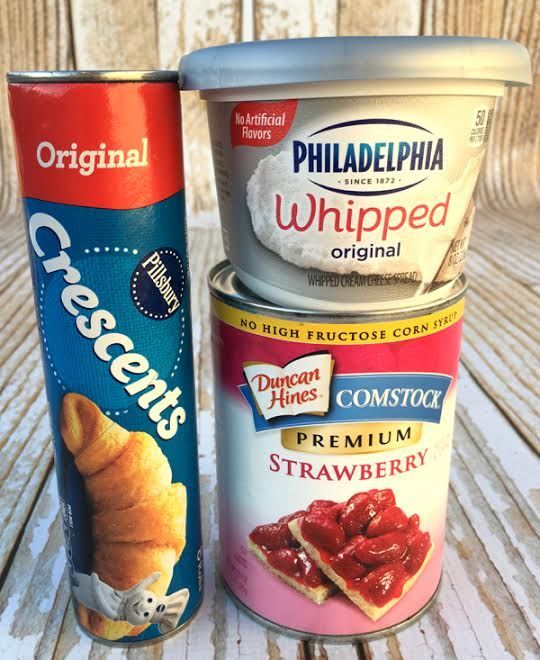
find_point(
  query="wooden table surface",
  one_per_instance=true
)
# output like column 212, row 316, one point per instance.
column 488, row 606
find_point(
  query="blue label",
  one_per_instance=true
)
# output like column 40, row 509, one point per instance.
column 113, row 307
column 369, row 398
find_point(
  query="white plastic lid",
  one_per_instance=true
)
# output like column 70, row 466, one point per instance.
column 320, row 59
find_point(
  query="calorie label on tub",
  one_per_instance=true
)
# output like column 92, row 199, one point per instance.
column 334, row 448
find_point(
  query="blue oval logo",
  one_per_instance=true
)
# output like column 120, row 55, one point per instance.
column 367, row 166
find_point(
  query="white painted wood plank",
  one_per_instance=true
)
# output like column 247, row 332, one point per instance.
column 16, row 299
column 282, row 19
column 500, row 344
column 502, row 447
column 506, row 579
column 478, row 588
column 426, row 640
column 16, row 258
column 319, row 651
column 509, row 244
column 28, row 593
column 399, row 17
column 450, row 608
column 120, row 34
column 19, row 353
column 72, row 643
column 509, row 180
column 34, row 34
column 19, row 488
column 49, row 641
column 183, row 26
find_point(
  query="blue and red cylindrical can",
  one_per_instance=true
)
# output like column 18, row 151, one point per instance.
column 100, row 167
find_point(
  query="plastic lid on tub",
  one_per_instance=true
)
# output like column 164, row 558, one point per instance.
column 321, row 59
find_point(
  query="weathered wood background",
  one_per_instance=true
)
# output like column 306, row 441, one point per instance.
column 489, row 606
column 132, row 34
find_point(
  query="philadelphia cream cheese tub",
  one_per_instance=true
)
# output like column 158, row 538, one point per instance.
column 333, row 443
column 345, row 167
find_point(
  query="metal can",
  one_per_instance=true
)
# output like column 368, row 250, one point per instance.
column 100, row 165
column 333, row 441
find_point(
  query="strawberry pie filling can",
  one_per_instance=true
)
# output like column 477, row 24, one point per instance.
column 334, row 437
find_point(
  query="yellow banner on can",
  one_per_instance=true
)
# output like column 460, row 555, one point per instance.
column 358, row 438
column 338, row 334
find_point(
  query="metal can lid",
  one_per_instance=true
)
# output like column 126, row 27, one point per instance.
column 91, row 76
column 225, row 285
column 322, row 59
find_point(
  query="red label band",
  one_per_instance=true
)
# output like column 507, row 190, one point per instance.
column 108, row 145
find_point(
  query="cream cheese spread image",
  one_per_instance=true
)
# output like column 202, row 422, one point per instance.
column 287, row 218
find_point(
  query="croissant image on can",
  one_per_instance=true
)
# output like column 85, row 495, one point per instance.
column 138, row 516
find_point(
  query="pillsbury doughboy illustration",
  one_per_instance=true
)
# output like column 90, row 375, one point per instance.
column 137, row 605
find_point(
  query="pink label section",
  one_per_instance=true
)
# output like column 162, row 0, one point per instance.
column 247, row 500
column 436, row 353
column 259, row 590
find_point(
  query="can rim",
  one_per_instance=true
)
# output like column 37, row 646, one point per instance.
column 141, row 643
column 241, row 297
column 332, row 639
column 98, row 75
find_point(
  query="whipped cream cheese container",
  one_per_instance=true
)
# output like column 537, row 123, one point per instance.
column 333, row 454
column 345, row 167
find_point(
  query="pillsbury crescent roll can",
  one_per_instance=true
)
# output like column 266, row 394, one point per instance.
column 100, row 165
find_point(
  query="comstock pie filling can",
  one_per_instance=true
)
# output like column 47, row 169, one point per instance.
column 334, row 435
column 100, row 164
